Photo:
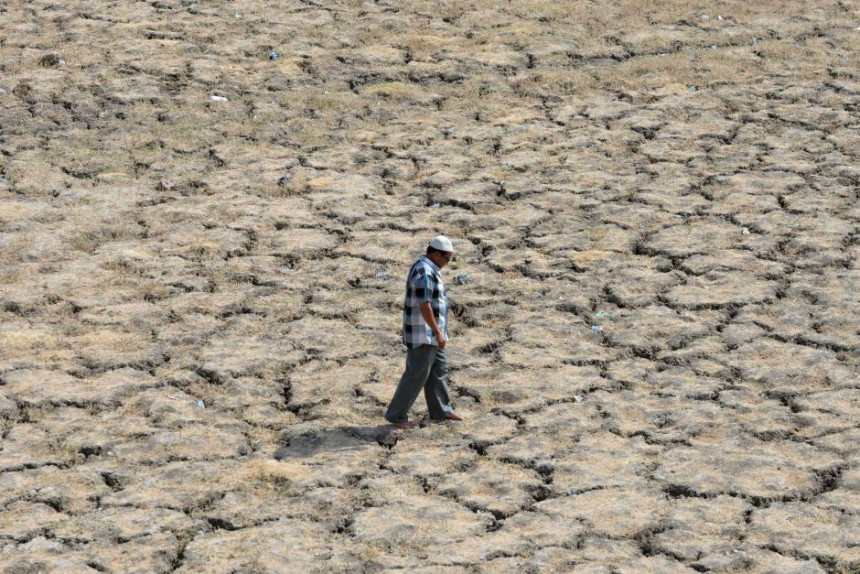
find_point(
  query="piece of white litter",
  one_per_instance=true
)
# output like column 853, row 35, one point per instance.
column 435, row 206
column 218, row 98
column 719, row 18
column 287, row 270
column 383, row 275
column 577, row 398
column 745, row 231
column 596, row 329
column 201, row 404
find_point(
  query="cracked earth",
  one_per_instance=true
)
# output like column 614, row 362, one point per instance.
column 207, row 208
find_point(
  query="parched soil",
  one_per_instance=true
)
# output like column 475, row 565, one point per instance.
column 206, row 212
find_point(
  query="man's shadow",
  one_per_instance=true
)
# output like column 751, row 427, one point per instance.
column 340, row 439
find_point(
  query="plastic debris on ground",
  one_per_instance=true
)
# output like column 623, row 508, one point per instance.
column 577, row 398
column 605, row 315
column 435, row 206
column 745, row 231
column 462, row 278
column 201, row 404
column 273, row 55
column 218, row 98
column 4, row 181
column 287, row 269
column 596, row 329
column 383, row 275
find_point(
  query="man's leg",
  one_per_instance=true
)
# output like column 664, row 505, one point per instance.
column 436, row 388
column 419, row 362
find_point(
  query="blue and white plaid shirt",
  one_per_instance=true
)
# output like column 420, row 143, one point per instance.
column 424, row 285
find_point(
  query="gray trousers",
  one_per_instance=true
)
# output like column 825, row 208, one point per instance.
column 427, row 368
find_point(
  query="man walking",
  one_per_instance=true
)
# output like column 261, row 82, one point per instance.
column 425, row 334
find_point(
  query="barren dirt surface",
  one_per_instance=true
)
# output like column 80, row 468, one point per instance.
column 206, row 212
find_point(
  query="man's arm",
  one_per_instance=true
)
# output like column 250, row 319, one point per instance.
column 427, row 313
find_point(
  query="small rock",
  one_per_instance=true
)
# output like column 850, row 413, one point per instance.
column 284, row 180
column 692, row 89
column 218, row 98
column 577, row 398
column 4, row 181
column 745, row 231
column 713, row 46
column 165, row 185
column 51, row 59
column 705, row 17
column 2, row 92
column 383, row 275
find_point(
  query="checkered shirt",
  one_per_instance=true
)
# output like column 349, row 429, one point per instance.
column 424, row 284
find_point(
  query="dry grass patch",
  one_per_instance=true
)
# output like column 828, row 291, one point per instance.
column 266, row 474
column 399, row 92
column 31, row 343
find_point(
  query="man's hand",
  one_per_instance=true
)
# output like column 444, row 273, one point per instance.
column 427, row 313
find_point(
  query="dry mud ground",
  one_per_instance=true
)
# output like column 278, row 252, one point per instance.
column 683, row 176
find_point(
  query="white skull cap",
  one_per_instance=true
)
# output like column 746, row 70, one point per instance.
column 442, row 243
